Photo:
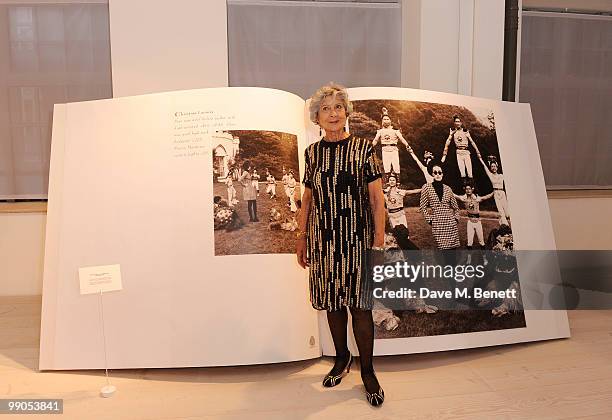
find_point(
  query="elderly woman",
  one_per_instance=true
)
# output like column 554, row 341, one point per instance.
column 342, row 216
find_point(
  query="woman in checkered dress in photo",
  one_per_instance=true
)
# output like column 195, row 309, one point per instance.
column 439, row 206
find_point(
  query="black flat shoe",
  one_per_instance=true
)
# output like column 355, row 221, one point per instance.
column 333, row 380
column 377, row 398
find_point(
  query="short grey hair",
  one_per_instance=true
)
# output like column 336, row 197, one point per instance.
column 334, row 90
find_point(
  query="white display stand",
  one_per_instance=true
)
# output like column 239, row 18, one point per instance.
column 107, row 390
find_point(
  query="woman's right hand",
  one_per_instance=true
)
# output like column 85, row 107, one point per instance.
column 302, row 256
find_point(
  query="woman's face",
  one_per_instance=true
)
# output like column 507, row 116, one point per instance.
column 494, row 168
column 392, row 181
column 437, row 173
column 332, row 115
column 457, row 123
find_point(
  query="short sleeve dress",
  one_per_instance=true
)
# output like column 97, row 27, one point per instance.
column 340, row 226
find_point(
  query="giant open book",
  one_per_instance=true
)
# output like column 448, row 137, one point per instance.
column 156, row 184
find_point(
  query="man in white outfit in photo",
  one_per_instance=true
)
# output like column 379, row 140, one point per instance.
column 462, row 139
column 389, row 137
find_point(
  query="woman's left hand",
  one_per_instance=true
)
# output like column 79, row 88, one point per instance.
column 302, row 255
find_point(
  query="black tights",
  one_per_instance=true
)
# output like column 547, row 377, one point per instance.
column 363, row 329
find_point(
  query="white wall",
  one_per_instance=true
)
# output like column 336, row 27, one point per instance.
column 22, row 242
column 454, row 46
column 488, row 59
column 411, row 43
column 161, row 46
column 439, row 59
column 582, row 223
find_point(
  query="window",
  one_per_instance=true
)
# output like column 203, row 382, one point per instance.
column 51, row 53
column 565, row 75
column 297, row 46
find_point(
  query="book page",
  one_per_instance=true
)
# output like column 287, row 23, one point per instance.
column 517, row 211
column 194, row 196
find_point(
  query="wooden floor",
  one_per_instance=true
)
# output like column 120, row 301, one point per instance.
column 560, row 379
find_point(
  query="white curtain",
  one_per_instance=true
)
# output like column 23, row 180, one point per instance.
column 49, row 53
column 297, row 46
column 566, row 75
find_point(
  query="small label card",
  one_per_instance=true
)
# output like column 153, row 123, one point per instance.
column 105, row 278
